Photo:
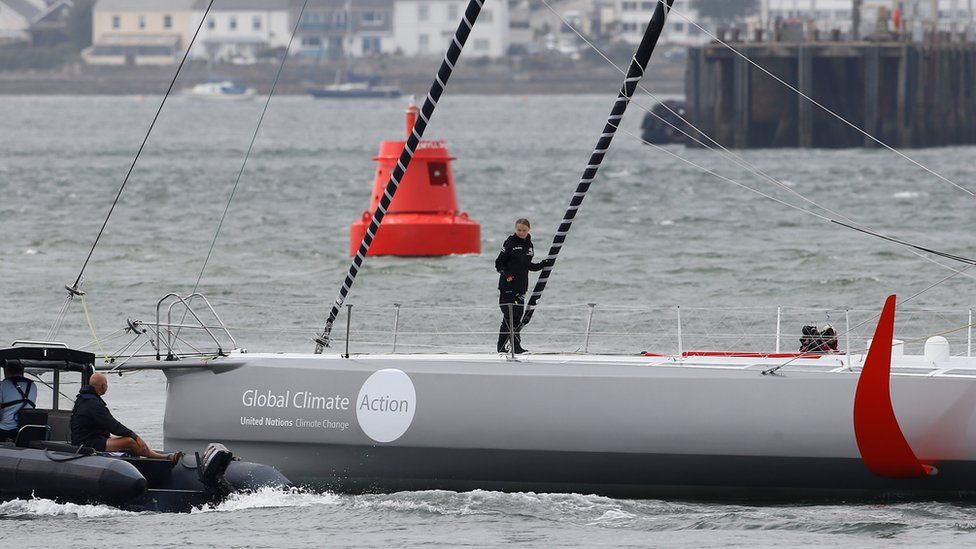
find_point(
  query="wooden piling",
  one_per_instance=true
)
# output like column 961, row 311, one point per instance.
column 741, row 101
column 804, row 63
column 906, row 94
column 872, row 102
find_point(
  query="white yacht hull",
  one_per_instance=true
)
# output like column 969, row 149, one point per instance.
column 625, row 426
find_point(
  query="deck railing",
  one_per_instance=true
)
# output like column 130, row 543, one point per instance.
column 580, row 328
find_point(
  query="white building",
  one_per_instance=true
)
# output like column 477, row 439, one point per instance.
column 633, row 15
column 19, row 19
column 838, row 14
column 238, row 30
column 425, row 28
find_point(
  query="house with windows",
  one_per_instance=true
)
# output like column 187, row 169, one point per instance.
column 425, row 28
column 632, row 17
column 343, row 28
column 239, row 31
column 140, row 32
column 33, row 21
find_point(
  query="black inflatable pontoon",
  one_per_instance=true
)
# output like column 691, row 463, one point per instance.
column 36, row 465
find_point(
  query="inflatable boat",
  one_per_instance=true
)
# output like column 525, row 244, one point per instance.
column 36, row 464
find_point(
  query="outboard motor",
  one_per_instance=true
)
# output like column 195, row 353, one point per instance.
column 216, row 459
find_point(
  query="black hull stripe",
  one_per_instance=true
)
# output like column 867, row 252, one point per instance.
column 615, row 474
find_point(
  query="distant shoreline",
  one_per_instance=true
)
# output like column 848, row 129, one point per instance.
column 413, row 77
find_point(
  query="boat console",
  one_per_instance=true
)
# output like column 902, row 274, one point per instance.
column 38, row 462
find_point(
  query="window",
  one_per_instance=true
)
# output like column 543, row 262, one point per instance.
column 256, row 23
column 482, row 44
column 371, row 45
column 311, row 42
column 437, row 174
column 423, row 12
column 142, row 21
column 211, row 24
column 647, row 6
column 340, row 19
column 423, row 43
column 116, row 21
column 232, row 23
column 629, row 6
column 452, row 12
column 485, row 16
column 371, row 18
column 678, row 26
column 167, row 21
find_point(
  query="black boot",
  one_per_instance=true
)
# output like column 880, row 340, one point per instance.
column 502, row 340
column 518, row 345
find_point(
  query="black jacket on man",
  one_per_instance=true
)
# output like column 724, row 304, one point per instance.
column 515, row 260
column 91, row 420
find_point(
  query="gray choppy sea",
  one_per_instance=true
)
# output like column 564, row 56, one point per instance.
column 655, row 232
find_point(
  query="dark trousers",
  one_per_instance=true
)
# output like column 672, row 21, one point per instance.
column 515, row 302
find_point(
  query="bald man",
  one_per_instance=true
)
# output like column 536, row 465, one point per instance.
column 93, row 425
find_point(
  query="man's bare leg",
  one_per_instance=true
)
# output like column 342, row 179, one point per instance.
column 135, row 446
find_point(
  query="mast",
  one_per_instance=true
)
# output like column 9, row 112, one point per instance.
column 413, row 140
column 637, row 66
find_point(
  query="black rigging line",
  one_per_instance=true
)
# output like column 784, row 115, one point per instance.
column 413, row 141
column 247, row 155
column 250, row 146
column 634, row 73
column 74, row 287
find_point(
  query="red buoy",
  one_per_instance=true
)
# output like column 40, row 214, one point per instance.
column 424, row 219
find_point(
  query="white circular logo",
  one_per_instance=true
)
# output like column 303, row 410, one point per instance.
column 386, row 405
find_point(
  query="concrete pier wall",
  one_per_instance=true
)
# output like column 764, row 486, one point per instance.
column 905, row 94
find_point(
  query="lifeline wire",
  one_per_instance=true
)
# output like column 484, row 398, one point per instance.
column 247, row 155
column 725, row 152
column 73, row 289
column 959, row 258
column 742, row 162
column 821, row 106
column 468, row 20
column 634, row 73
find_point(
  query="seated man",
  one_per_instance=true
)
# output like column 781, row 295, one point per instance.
column 16, row 392
column 92, row 424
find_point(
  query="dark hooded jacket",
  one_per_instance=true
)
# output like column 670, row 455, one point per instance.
column 515, row 260
column 90, row 419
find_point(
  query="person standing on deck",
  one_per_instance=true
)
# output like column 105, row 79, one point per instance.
column 513, row 265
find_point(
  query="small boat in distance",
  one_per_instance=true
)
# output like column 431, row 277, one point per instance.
column 222, row 91
column 355, row 90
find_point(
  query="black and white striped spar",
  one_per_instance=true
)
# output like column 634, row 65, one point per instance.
column 637, row 66
column 413, row 140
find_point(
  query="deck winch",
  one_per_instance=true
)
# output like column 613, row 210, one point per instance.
column 424, row 220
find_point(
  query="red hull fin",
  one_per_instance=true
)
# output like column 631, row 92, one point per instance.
column 883, row 446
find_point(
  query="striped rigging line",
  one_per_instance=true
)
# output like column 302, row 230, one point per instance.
column 443, row 74
column 634, row 73
column 74, row 290
column 954, row 257
column 725, row 152
column 821, row 106
column 247, row 155
column 955, row 272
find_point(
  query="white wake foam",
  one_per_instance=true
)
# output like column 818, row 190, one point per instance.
column 39, row 507
column 269, row 498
